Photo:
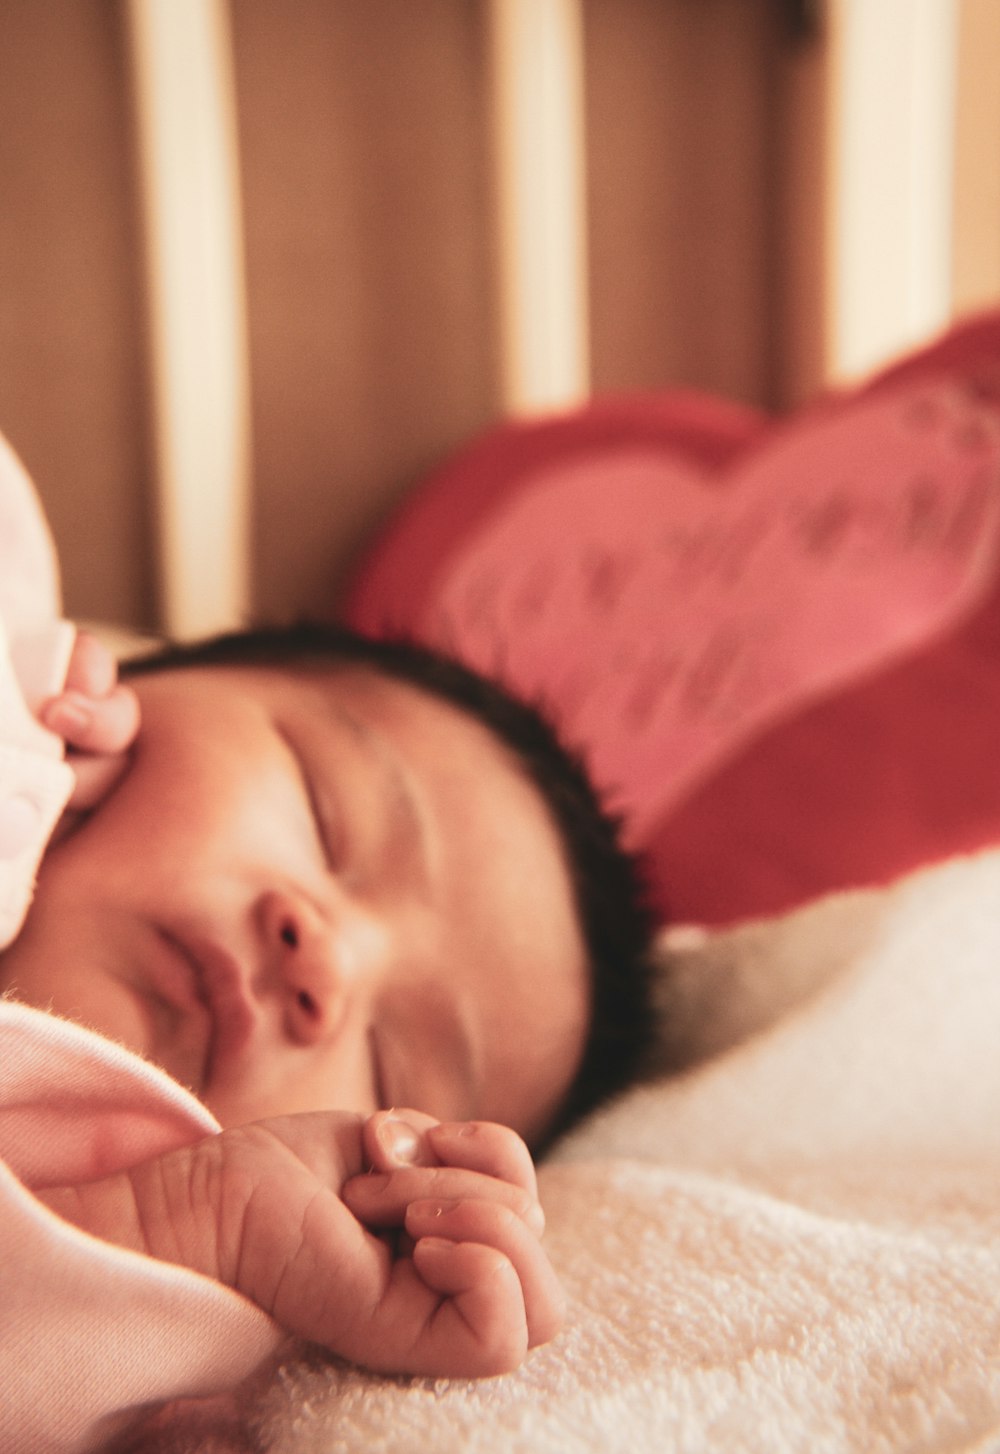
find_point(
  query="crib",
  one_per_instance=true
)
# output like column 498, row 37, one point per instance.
column 283, row 284
column 313, row 249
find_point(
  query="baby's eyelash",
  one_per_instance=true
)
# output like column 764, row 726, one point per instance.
column 326, row 825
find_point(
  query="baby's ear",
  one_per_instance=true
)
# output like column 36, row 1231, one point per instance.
column 397, row 1138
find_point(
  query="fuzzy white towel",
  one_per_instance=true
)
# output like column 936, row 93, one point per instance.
column 795, row 1246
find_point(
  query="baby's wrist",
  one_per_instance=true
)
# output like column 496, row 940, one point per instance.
column 106, row 1209
column 162, row 1208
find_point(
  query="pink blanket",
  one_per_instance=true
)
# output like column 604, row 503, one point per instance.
column 88, row 1332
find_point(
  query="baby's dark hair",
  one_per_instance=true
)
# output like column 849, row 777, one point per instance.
column 610, row 898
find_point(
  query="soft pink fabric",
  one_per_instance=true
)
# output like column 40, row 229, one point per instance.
column 88, row 1332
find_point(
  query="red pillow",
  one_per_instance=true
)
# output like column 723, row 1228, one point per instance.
column 776, row 643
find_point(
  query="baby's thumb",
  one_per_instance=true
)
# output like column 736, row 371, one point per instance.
column 397, row 1138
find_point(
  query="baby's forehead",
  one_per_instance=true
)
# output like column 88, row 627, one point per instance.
column 237, row 675
column 346, row 661
column 368, row 698
column 443, row 730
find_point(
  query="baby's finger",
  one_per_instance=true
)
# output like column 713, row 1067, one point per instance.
column 95, row 778
column 491, row 1225
column 480, row 1329
column 92, row 669
column 487, row 1147
column 380, row 1199
column 99, row 725
column 398, row 1138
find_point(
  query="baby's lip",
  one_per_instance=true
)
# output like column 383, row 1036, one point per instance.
column 173, row 976
column 223, row 990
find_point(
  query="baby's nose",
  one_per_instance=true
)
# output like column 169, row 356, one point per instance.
column 315, row 963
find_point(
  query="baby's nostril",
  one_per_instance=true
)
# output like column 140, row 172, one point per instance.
column 306, row 1002
column 289, row 936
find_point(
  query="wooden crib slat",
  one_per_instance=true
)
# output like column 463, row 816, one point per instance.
column 893, row 71
column 976, row 259
column 182, row 63
column 536, row 56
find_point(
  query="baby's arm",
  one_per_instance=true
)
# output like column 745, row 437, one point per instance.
column 453, row 1283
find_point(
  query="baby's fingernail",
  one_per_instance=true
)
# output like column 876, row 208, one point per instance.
column 399, row 1141
column 435, row 1209
column 67, row 714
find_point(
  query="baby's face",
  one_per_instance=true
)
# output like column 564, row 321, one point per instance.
column 317, row 891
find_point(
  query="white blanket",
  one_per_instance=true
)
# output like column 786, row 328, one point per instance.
column 794, row 1246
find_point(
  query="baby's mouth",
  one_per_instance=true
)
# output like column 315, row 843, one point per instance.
column 221, row 987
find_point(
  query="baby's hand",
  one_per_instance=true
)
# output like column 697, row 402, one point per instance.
column 453, row 1283
column 470, row 1289
column 97, row 716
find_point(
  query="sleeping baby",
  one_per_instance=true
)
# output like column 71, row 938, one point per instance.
column 299, row 878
